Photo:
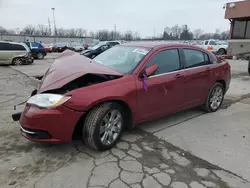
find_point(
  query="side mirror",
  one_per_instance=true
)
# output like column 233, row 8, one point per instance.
column 149, row 71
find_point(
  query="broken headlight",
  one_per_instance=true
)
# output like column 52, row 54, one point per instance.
column 47, row 100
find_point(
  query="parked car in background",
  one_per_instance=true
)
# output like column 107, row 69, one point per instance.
column 48, row 48
column 94, row 51
column 78, row 47
column 12, row 53
column 215, row 46
column 59, row 47
column 37, row 50
column 124, row 86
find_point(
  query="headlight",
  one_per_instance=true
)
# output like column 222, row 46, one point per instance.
column 48, row 100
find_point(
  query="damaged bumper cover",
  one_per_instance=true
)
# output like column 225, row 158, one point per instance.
column 49, row 126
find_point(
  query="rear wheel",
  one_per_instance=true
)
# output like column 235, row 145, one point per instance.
column 40, row 55
column 103, row 126
column 17, row 61
column 215, row 98
column 222, row 51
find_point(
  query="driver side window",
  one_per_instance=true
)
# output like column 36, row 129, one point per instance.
column 167, row 61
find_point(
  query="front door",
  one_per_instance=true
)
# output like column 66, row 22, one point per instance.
column 164, row 92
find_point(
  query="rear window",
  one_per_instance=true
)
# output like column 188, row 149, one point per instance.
column 36, row 45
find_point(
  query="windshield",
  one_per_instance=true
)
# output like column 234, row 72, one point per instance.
column 97, row 45
column 123, row 59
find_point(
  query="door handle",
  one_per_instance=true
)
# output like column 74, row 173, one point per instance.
column 208, row 69
column 178, row 75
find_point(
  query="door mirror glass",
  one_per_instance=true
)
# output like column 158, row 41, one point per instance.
column 149, row 71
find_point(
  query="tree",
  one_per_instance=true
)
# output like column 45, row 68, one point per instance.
column 128, row 35
column 2, row 30
column 29, row 30
column 186, row 35
column 42, row 30
column 165, row 36
column 197, row 33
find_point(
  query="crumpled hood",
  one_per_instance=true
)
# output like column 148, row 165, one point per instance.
column 69, row 66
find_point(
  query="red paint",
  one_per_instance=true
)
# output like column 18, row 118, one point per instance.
column 165, row 94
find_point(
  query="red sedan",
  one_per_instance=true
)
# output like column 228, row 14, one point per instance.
column 124, row 86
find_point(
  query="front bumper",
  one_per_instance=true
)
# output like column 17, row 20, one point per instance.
column 49, row 126
column 27, row 60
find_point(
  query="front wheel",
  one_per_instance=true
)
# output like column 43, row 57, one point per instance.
column 215, row 98
column 103, row 126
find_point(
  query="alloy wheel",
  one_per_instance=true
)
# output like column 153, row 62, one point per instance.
column 111, row 127
column 216, row 98
column 17, row 61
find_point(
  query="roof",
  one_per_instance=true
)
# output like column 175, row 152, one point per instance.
column 157, row 44
column 9, row 42
column 237, row 9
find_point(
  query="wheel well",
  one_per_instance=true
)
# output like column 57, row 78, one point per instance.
column 128, row 118
column 223, row 84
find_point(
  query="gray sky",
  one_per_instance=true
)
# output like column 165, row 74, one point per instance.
column 137, row 15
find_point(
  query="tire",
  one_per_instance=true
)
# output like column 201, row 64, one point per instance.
column 95, row 121
column 249, row 66
column 208, row 106
column 222, row 51
column 40, row 55
column 17, row 61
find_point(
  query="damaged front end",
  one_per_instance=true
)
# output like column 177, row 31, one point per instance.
column 83, row 81
column 69, row 72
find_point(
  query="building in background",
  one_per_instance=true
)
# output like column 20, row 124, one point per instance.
column 238, row 13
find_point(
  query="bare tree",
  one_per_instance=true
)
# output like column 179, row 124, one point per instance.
column 17, row 31
column 2, row 30
column 197, row 33
column 80, row 32
column 61, row 32
column 128, row 35
column 71, row 32
column 29, row 29
column 43, row 30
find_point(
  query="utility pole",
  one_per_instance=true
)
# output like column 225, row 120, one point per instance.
column 50, row 32
column 53, row 9
column 115, row 31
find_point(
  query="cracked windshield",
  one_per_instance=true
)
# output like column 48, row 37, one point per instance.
column 153, row 95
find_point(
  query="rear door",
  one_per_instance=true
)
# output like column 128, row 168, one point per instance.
column 198, row 76
column 164, row 92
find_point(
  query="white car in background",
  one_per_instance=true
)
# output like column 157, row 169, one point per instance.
column 215, row 46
